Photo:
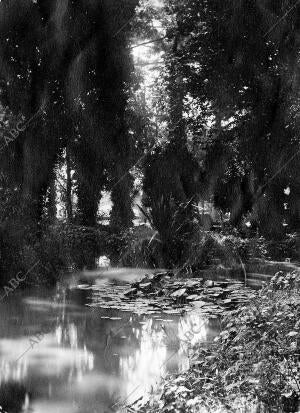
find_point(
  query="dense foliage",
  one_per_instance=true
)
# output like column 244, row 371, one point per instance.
column 65, row 77
column 192, row 102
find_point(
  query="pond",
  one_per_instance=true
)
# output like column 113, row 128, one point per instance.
column 59, row 354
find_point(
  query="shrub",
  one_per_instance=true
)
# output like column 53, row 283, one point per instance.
column 142, row 248
column 289, row 247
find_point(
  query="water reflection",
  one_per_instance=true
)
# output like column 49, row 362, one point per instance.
column 86, row 359
column 14, row 397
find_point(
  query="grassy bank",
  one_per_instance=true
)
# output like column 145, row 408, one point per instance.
column 252, row 366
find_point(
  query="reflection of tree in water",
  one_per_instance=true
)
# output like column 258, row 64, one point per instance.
column 122, row 338
column 115, row 333
column 13, row 397
column 113, row 343
column 174, row 335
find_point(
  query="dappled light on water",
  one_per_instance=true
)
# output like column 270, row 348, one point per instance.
column 68, row 357
column 141, row 369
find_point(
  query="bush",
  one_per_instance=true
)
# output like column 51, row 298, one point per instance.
column 207, row 248
column 141, row 248
column 289, row 247
column 40, row 257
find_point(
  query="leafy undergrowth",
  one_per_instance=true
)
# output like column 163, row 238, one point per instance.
column 253, row 365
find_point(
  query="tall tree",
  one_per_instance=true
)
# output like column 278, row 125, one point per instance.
column 241, row 70
column 65, row 68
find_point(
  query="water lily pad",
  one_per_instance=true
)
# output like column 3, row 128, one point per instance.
column 145, row 286
column 130, row 292
column 209, row 284
column 193, row 297
column 179, row 293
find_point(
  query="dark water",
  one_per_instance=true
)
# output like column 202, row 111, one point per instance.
column 58, row 355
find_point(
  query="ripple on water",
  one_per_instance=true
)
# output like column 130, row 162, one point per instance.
column 89, row 358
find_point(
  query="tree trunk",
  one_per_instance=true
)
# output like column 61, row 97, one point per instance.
column 51, row 207
column 121, row 214
column 38, row 165
column 69, row 203
column 176, row 93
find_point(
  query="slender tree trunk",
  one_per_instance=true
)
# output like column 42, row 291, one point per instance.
column 121, row 214
column 91, row 179
column 88, row 201
column 52, row 210
column 38, row 165
column 176, row 92
column 69, row 203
